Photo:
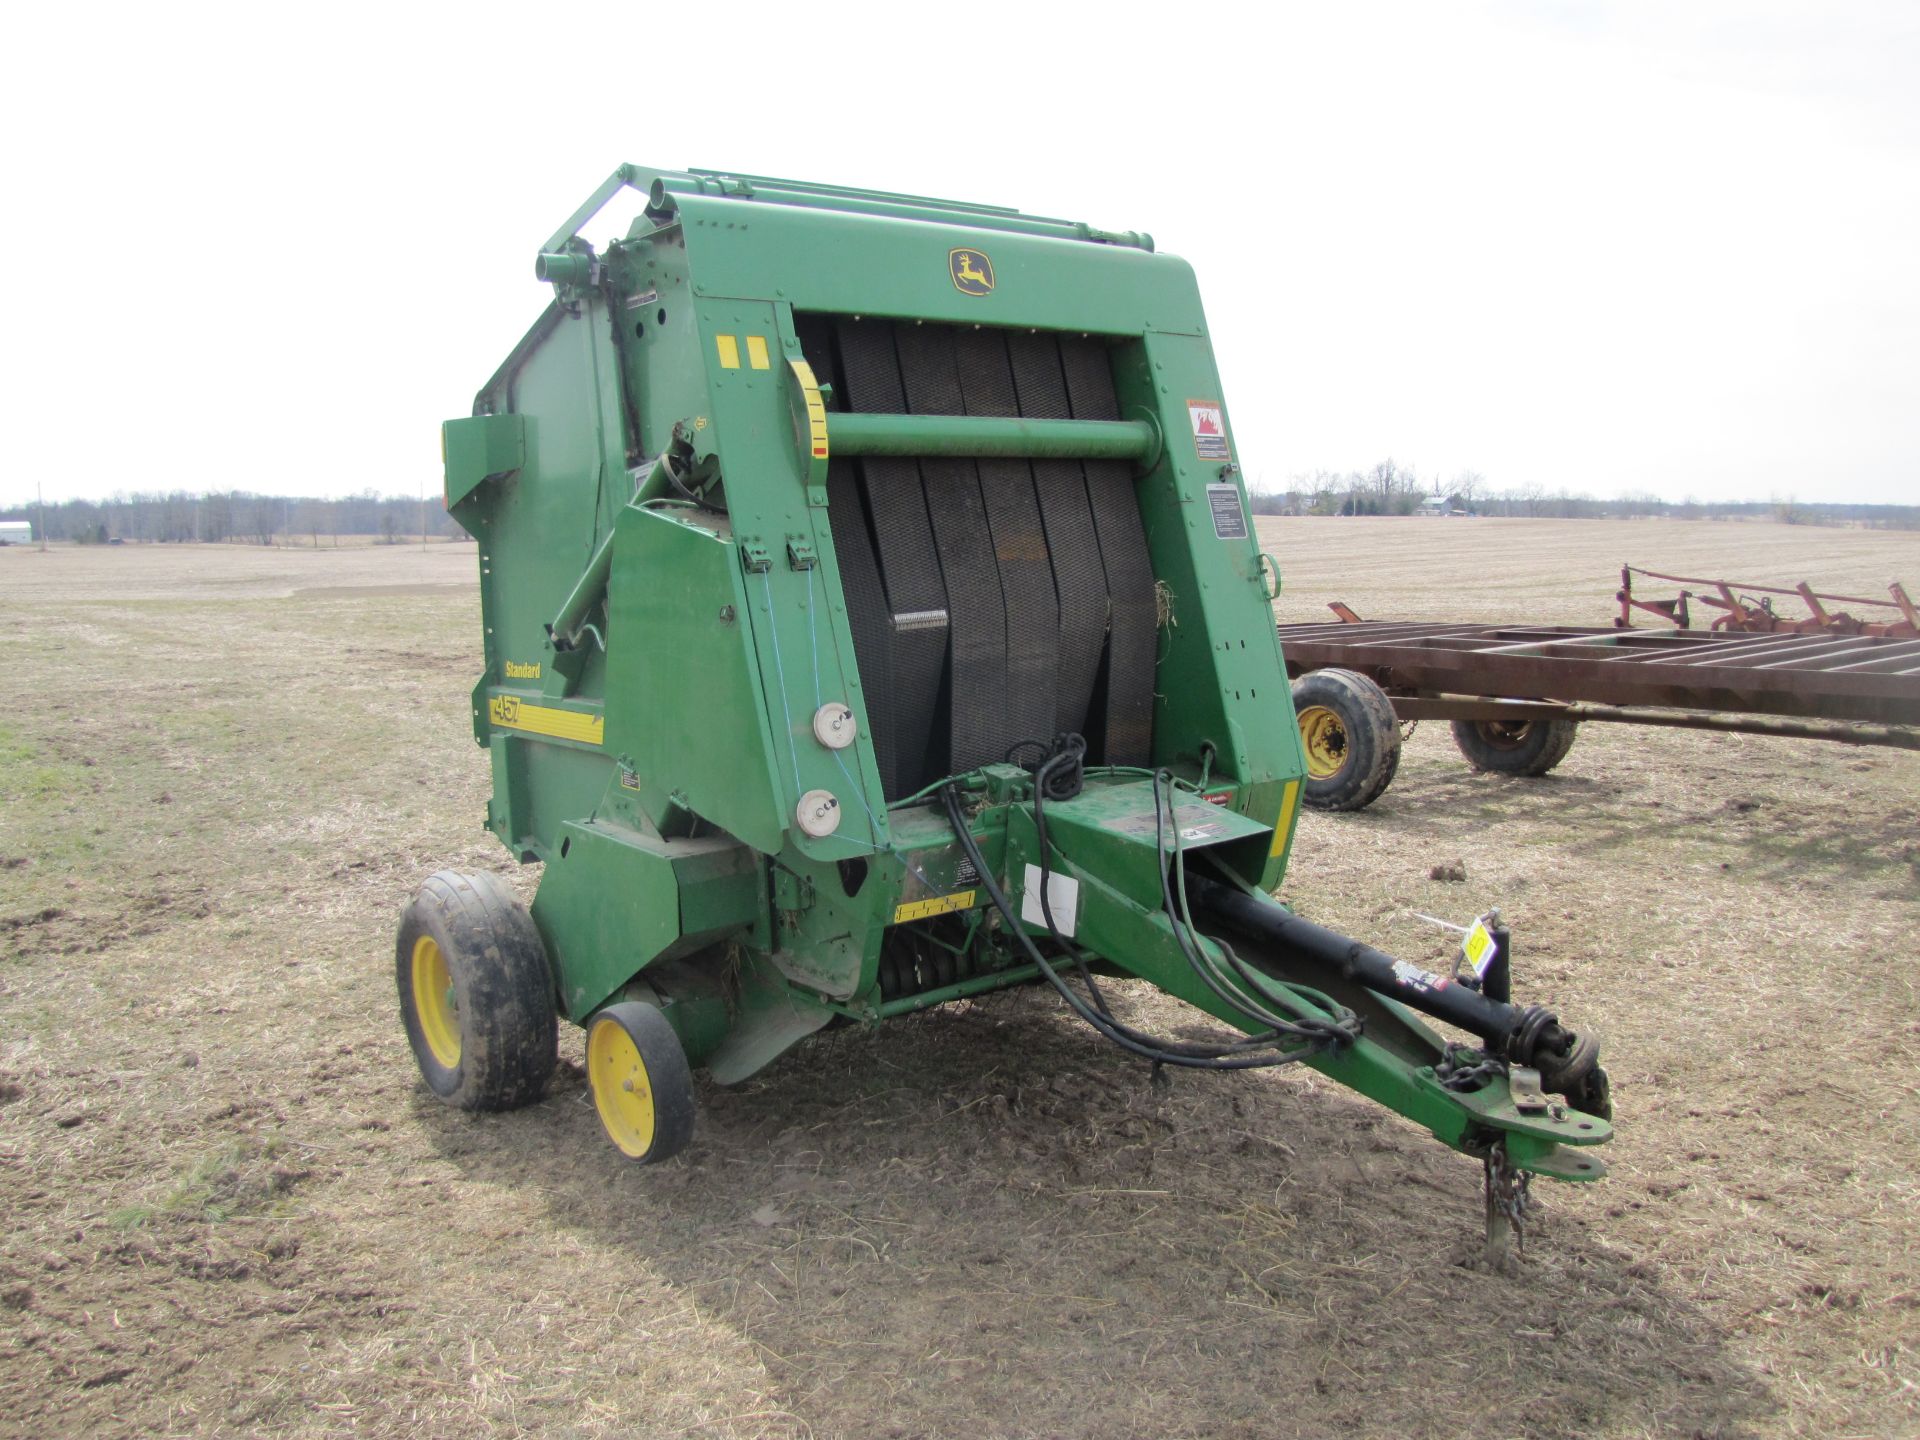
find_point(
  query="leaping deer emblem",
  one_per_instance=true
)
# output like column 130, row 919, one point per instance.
column 968, row 275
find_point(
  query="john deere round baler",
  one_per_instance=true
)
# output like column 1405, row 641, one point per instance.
column 873, row 619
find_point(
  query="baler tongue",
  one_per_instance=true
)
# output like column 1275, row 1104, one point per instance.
column 817, row 527
column 1141, row 874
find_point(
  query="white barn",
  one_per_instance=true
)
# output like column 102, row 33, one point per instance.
column 16, row 532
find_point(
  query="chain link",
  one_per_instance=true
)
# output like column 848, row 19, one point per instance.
column 1464, row 1069
column 1509, row 1195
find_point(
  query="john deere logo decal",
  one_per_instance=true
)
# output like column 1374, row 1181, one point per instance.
column 972, row 272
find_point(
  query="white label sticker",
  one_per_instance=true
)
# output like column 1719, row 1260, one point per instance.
column 1063, row 898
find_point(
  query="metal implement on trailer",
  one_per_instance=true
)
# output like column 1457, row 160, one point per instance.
column 1742, row 606
column 1514, row 693
column 872, row 619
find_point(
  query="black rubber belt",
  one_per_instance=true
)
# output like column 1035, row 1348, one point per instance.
column 860, row 583
column 909, row 567
column 977, row 633
column 1123, row 706
column 1019, row 547
column 1080, row 583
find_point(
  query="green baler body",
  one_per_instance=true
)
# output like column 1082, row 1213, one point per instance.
column 656, row 755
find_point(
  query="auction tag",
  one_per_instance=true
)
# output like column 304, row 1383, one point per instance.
column 1479, row 948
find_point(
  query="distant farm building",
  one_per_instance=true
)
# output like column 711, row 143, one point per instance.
column 16, row 532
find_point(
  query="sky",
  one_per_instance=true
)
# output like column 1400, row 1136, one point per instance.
column 1602, row 248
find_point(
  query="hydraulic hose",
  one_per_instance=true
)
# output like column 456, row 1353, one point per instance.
column 1231, row 1056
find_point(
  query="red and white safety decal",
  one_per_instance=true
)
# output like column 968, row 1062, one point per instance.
column 1209, row 429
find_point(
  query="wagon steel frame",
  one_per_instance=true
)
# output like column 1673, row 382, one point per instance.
column 1860, row 689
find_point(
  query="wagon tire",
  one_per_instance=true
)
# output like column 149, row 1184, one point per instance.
column 476, row 993
column 1350, row 738
column 1514, row 747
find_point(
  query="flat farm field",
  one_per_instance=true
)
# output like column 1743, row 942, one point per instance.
column 232, row 1208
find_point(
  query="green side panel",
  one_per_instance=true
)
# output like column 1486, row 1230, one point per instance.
column 478, row 448
column 537, row 785
column 613, row 901
column 1221, row 682
column 684, row 707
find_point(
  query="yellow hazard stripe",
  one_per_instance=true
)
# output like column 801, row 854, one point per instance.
column 936, row 905
column 816, row 408
column 1283, row 827
column 512, row 713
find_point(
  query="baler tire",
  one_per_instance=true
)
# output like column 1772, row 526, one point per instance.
column 1508, row 747
column 476, row 993
column 1349, row 736
column 642, row 1085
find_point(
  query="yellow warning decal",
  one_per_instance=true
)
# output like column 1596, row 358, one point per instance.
column 513, row 713
column 757, row 352
column 816, row 408
column 1283, row 827
column 729, row 348
column 1479, row 947
column 936, row 905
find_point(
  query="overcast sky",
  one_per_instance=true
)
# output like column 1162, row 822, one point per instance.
column 1661, row 247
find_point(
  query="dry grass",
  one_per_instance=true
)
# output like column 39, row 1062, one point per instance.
column 232, row 1209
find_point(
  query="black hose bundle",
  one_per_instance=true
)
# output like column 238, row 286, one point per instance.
column 1059, row 777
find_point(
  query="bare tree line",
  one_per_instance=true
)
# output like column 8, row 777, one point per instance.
column 1389, row 488
column 240, row 516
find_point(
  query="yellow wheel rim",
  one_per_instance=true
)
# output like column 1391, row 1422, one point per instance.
column 1324, row 739
column 620, row 1090
column 434, row 1002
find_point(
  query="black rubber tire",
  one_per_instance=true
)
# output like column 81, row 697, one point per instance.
column 1346, row 722
column 495, row 967
column 664, row 1073
column 1510, row 747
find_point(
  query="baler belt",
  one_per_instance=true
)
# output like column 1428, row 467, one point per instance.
column 1123, row 704
column 1079, row 581
column 977, row 610
column 908, row 566
column 1019, row 546
column 991, row 600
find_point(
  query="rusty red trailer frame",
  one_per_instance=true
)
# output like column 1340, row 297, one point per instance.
column 1696, row 679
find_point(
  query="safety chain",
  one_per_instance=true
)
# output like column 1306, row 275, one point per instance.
column 1509, row 1195
column 1464, row 1069
column 1407, row 729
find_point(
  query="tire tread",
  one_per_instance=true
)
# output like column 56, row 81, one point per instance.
column 509, row 1026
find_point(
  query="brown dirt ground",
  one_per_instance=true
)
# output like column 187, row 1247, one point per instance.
column 233, row 1209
